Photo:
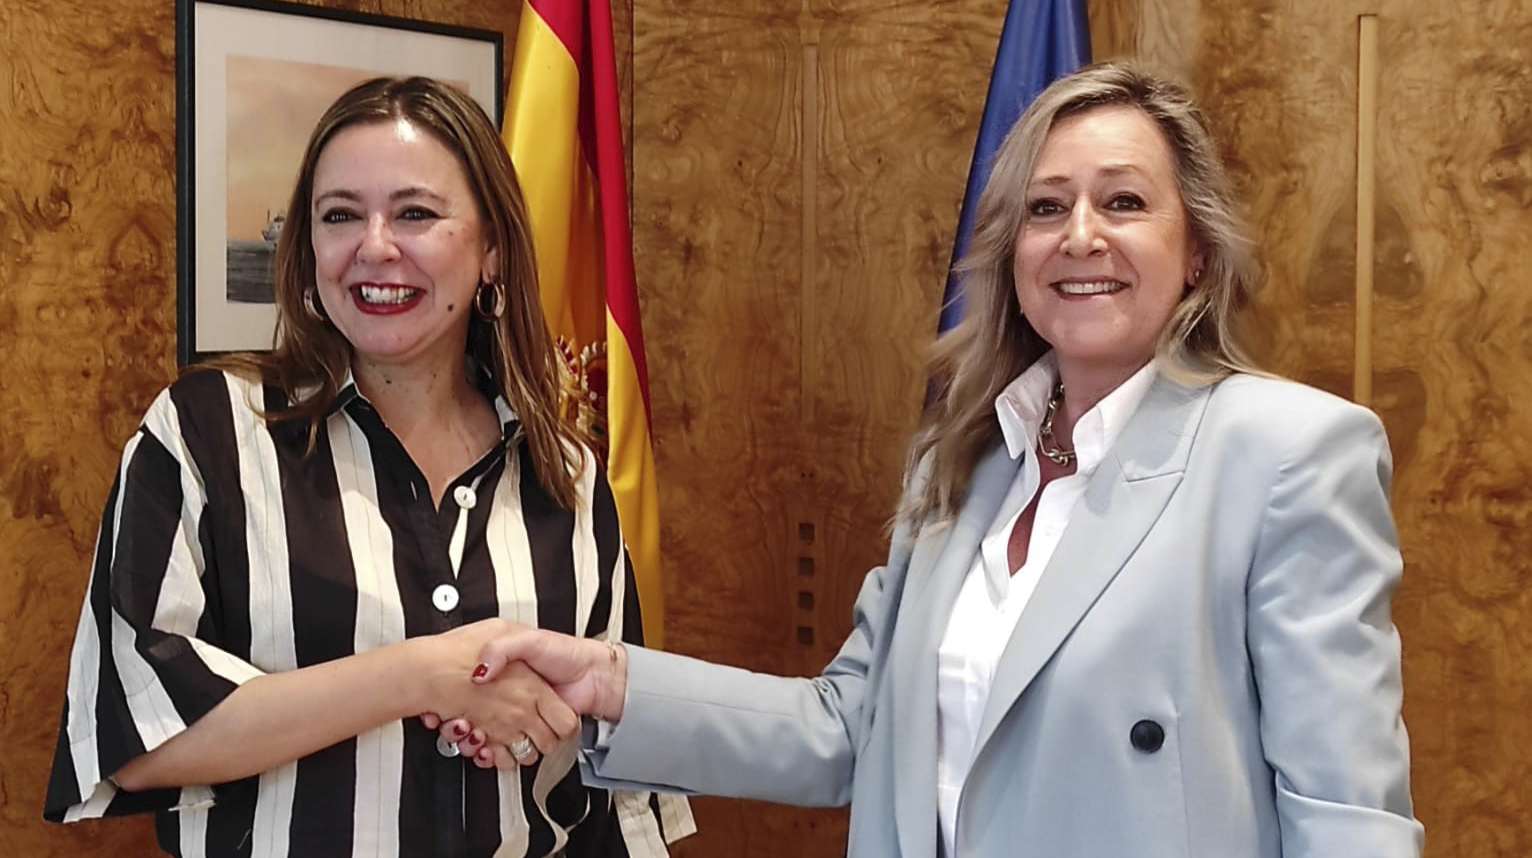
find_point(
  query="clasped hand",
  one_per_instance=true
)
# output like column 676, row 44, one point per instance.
column 530, row 683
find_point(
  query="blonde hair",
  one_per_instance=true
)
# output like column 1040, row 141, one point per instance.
column 995, row 343
column 310, row 358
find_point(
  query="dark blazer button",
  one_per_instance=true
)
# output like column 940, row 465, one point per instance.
column 1147, row 736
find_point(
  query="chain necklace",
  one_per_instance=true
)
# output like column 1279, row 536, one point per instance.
column 1045, row 440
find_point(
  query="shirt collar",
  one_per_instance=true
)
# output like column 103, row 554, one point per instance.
column 343, row 397
column 509, row 423
column 1022, row 405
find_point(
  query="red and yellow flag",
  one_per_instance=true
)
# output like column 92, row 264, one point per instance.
column 564, row 132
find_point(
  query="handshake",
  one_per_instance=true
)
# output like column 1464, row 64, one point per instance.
column 524, row 694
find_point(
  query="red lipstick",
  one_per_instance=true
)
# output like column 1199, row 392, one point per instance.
column 396, row 298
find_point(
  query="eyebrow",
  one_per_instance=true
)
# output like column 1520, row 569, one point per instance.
column 401, row 194
column 1108, row 170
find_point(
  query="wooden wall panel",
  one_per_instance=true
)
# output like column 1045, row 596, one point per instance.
column 87, row 238
column 893, row 156
column 1453, row 374
column 716, row 192
column 1279, row 87
column 87, row 336
column 798, row 170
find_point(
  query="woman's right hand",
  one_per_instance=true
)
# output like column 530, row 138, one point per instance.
column 590, row 675
column 486, row 719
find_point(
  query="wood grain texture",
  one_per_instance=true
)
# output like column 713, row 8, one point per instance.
column 1113, row 28
column 87, row 238
column 1277, row 80
column 791, row 249
column 87, row 259
column 87, row 217
column 1366, row 197
column 1454, row 384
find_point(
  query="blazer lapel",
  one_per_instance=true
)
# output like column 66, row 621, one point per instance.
column 1121, row 502
column 938, row 564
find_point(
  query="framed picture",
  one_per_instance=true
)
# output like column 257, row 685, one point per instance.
column 252, row 79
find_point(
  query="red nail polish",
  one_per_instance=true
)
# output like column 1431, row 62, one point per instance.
column 481, row 671
column 458, row 731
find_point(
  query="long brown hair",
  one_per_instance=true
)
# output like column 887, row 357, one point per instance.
column 995, row 343
column 310, row 358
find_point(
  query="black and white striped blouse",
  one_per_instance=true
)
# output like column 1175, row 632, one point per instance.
column 227, row 552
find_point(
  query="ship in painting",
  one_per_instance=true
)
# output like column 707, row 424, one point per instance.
column 250, row 263
column 273, row 229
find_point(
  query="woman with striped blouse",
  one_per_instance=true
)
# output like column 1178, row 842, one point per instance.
column 305, row 549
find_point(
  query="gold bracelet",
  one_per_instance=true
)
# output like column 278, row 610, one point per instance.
column 611, row 651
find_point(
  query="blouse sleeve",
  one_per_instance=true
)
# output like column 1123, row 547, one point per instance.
column 145, row 661
column 643, row 822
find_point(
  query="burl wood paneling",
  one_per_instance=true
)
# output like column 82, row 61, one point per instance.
column 1452, row 360
column 87, row 259
column 87, row 336
column 1279, row 86
column 798, row 170
column 1453, row 376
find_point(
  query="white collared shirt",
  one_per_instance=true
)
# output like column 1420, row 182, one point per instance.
column 992, row 597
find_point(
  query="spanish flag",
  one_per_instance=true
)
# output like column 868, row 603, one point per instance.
column 564, row 132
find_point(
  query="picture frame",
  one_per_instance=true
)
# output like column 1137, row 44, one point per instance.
column 252, row 79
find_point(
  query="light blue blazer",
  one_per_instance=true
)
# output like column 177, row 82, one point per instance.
column 1207, row 668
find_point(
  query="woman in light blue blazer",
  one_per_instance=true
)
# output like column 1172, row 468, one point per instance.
column 1137, row 597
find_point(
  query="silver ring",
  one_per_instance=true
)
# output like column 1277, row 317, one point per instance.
column 523, row 749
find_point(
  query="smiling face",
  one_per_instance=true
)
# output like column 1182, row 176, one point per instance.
column 399, row 248
column 1105, row 253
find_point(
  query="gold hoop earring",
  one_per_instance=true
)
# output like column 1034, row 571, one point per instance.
column 496, row 298
column 312, row 307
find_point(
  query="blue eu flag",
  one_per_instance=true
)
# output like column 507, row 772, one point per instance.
column 1041, row 40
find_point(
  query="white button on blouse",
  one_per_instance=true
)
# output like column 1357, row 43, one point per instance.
column 444, row 597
